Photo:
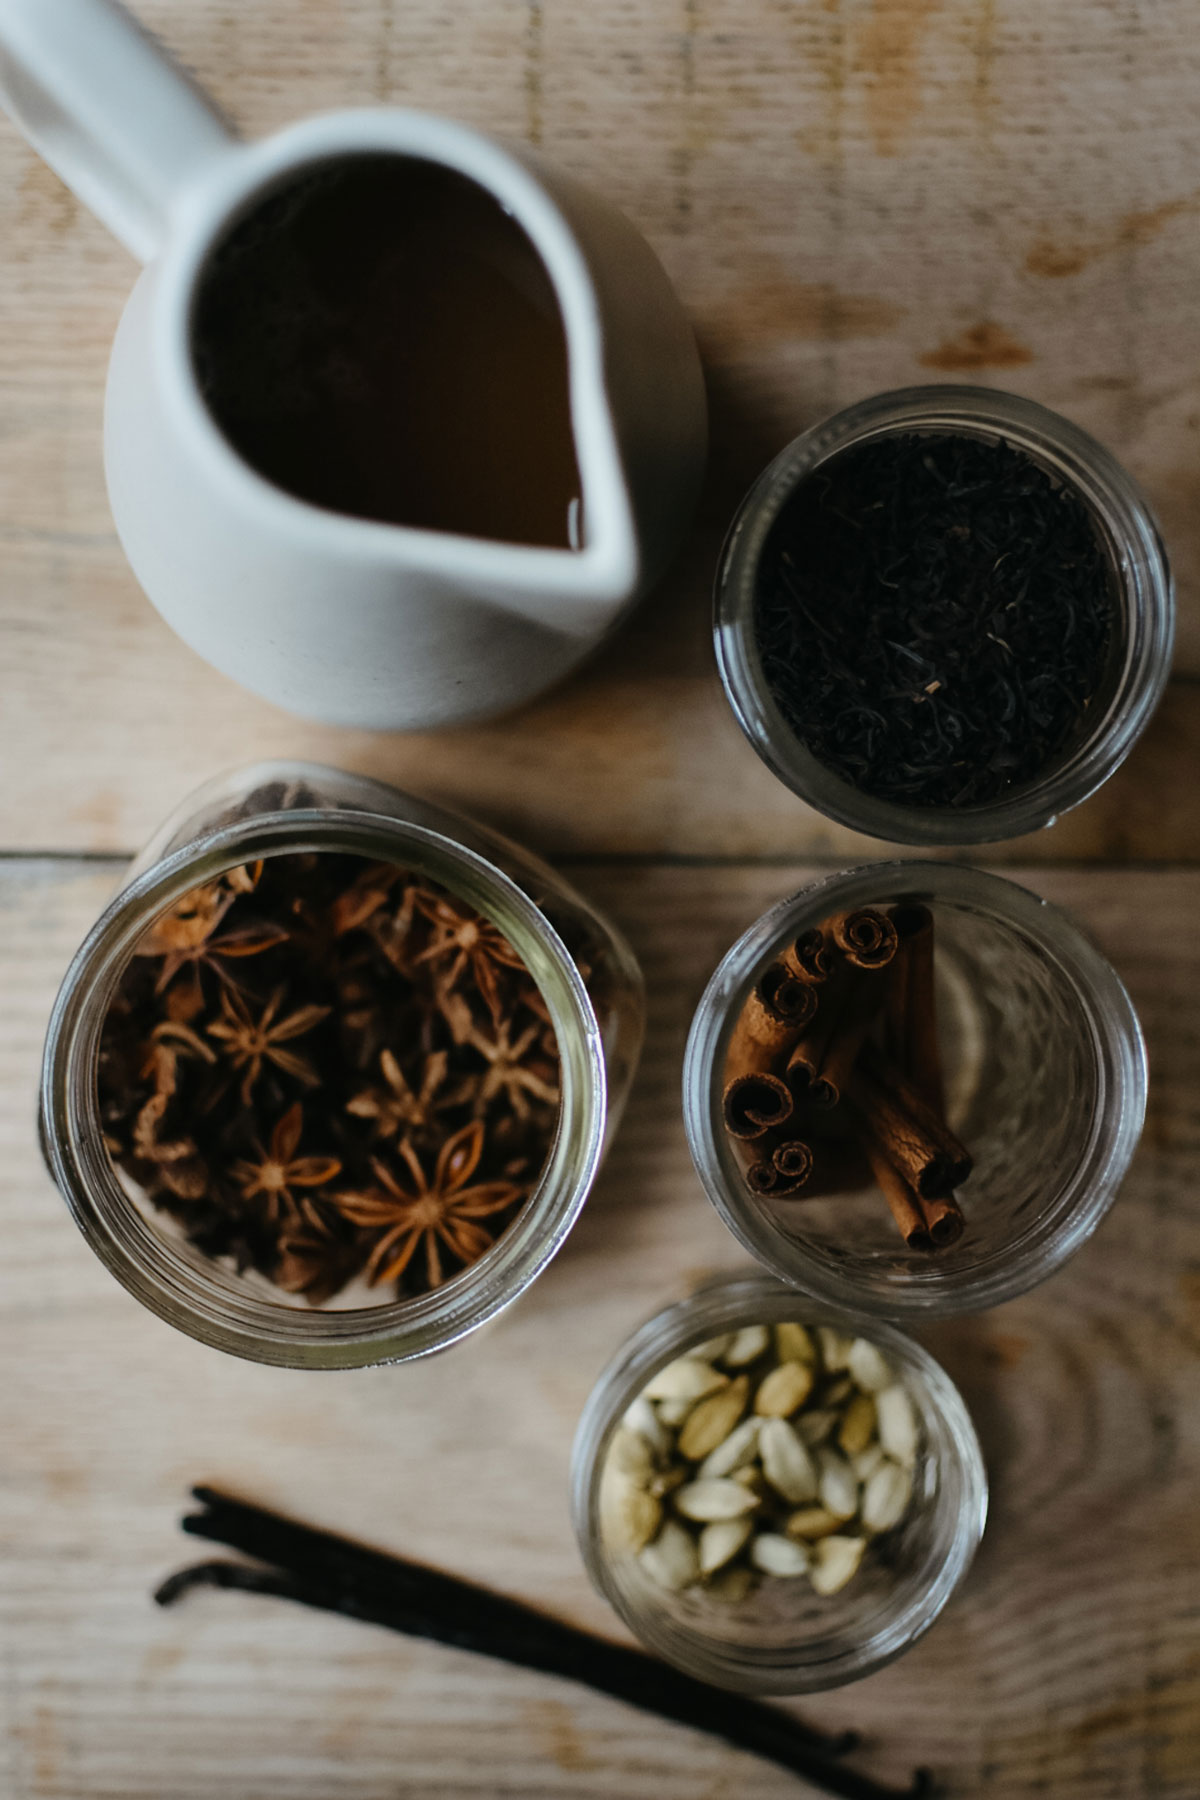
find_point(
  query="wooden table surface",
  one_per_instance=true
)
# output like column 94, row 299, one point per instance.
column 850, row 195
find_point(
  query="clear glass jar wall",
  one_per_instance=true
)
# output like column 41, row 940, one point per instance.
column 1140, row 656
column 278, row 808
column 1046, row 1086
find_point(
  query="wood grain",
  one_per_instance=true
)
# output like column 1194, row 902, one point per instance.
column 849, row 194
column 1069, row 1666
column 107, row 727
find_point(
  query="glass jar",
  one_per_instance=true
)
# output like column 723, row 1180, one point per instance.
column 273, row 809
column 785, row 1639
column 1045, row 1085
column 1139, row 659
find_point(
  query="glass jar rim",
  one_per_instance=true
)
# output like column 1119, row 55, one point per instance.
column 1116, row 1041
column 206, row 1301
column 721, row 1305
column 1143, row 585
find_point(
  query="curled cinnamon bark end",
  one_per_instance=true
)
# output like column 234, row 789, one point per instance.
column 944, row 1220
column 811, row 957
column 866, row 938
column 925, row 1225
column 805, row 1080
column 774, row 1016
column 793, row 1159
column 784, row 1172
column 755, row 1104
column 783, row 997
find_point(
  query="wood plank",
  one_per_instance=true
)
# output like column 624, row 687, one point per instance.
column 1068, row 1669
column 107, row 728
column 850, row 196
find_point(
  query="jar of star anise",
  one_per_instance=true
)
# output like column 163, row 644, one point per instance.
column 330, row 1080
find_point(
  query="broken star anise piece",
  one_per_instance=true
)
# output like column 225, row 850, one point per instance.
column 440, row 1212
column 175, row 1162
column 279, row 1170
column 249, row 1042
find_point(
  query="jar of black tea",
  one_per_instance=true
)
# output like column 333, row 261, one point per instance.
column 944, row 616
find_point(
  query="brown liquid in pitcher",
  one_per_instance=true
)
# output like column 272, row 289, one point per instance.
column 381, row 338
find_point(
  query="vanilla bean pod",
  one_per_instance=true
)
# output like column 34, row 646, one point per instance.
column 318, row 1569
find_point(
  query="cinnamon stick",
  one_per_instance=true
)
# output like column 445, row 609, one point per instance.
column 782, row 1170
column 811, row 957
column 839, row 1167
column 774, row 1016
column 911, row 1011
column 824, row 1054
column 903, row 1203
column 867, row 938
column 913, row 1138
column 782, row 997
column 756, row 1099
column 755, row 1103
column 943, row 1216
column 789, row 1168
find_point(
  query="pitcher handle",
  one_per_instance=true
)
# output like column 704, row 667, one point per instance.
column 111, row 113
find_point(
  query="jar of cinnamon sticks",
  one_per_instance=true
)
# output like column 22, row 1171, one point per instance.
column 913, row 1088
column 329, row 1081
column 752, row 1549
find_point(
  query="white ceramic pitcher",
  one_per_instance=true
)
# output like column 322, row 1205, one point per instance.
column 337, row 617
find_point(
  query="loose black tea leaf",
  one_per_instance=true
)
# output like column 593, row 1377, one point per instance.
column 324, row 1068
column 934, row 614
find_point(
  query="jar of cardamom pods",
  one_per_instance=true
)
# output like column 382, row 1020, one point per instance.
column 329, row 1081
column 776, row 1495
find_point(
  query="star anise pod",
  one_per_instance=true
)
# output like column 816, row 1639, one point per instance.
column 462, row 940
column 184, row 937
column 397, row 1106
column 249, row 1042
column 188, row 924
column 440, row 1212
column 214, row 952
column 279, row 1170
column 510, row 1071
